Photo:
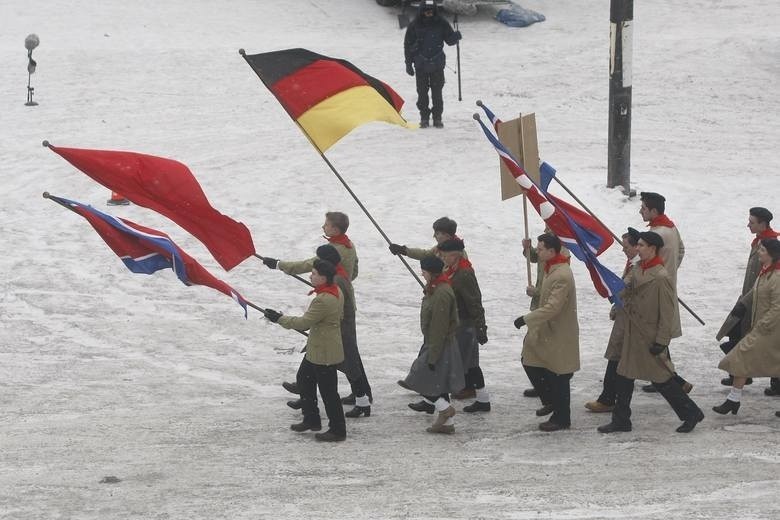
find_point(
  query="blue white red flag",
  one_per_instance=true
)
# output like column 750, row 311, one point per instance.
column 582, row 234
column 146, row 251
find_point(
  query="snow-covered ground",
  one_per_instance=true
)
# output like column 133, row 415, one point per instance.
column 168, row 389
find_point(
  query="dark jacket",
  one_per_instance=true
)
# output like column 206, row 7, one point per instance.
column 424, row 41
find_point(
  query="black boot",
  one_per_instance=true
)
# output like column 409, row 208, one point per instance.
column 726, row 407
column 350, row 399
column 689, row 424
column 303, row 426
column 477, row 406
column 683, row 406
column 291, row 387
column 330, row 436
column 727, row 381
column 422, row 406
column 295, row 405
column 357, row 411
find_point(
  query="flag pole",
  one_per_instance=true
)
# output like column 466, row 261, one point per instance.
column 586, row 208
column 525, row 214
column 242, row 52
column 293, row 275
column 263, row 311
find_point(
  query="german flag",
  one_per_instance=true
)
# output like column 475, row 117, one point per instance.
column 328, row 97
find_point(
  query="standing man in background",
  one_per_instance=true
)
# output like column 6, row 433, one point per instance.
column 423, row 51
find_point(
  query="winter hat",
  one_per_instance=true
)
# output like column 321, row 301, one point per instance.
column 445, row 225
column 634, row 234
column 325, row 268
column 772, row 246
column 652, row 238
column 453, row 244
column 329, row 253
column 762, row 214
column 432, row 264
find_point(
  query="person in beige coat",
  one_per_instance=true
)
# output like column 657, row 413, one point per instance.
column 606, row 401
column 758, row 353
column 648, row 302
column 653, row 211
column 324, row 352
column 551, row 348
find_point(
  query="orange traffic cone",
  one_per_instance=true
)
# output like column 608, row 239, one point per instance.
column 117, row 200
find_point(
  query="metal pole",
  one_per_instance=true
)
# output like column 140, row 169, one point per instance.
column 621, row 15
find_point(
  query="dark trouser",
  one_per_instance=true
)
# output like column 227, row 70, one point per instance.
column 561, row 398
column 538, row 379
column 474, row 378
column 359, row 386
column 774, row 383
column 434, row 398
column 682, row 405
column 609, row 390
column 624, row 391
column 309, row 378
column 435, row 82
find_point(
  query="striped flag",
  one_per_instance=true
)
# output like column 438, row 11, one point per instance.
column 583, row 235
column 327, row 97
column 144, row 250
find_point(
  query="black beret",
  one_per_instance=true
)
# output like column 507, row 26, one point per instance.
column 432, row 264
column 634, row 234
column 652, row 238
column 325, row 268
column 762, row 214
column 329, row 253
column 453, row 244
column 772, row 246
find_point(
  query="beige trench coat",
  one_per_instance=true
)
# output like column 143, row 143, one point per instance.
column 553, row 338
column 672, row 254
column 758, row 353
column 649, row 303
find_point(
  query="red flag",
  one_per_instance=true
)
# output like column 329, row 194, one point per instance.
column 169, row 188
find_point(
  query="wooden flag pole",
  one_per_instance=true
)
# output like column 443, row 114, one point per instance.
column 525, row 209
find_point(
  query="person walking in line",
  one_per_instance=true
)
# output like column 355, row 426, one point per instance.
column 438, row 370
column 444, row 229
column 551, row 348
column 472, row 330
column 324, row 352
column 606, row 401
column 759, row 220
column 424, row 55
column 758, row 353
column 649, row 303
column 653, row 211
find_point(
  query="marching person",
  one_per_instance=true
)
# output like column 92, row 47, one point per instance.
column 758, row 353
column 438, row 370
column 606, row 401
column 759, row 224
column 649, row 303
column 472, row 330
column 335, row 232
column 653, row 211
column 551, row 350
column 423, row 51
column 444, row 229
column 324, row 352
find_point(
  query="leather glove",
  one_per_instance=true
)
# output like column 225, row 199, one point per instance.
column 482, row 335
column 739, row 310
column 272, row 315
column 431, row 367
column 409, row 69
column 271, row 262
column 657, row 348
column 398, row 249
column 519, row 322
column 458, row 36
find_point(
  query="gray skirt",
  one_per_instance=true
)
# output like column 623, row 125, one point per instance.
column 468, row 346
column 446, row 377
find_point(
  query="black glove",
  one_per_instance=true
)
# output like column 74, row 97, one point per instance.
column 482, row 335
column 272, row 315
column 657, row 348
column 397, row 249
column 431, row 367
column 519, row 322
column 739, row 310
column 271, row 262
column 458, row 36
column 409, row 69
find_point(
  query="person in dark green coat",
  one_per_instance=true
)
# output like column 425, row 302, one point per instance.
column 324, row 352
column 444, row 229
column 438, row 370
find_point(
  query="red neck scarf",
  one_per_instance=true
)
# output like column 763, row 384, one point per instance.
column 462, row 264
column 442, row 278
column 661, row 221
column 771, row 267
column 340, row 271
column 342, row 239
column 767, row 233
column 557, row 259
column 656, row 260
column 330, row 288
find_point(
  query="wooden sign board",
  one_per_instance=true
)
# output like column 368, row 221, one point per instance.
column 519, row 137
